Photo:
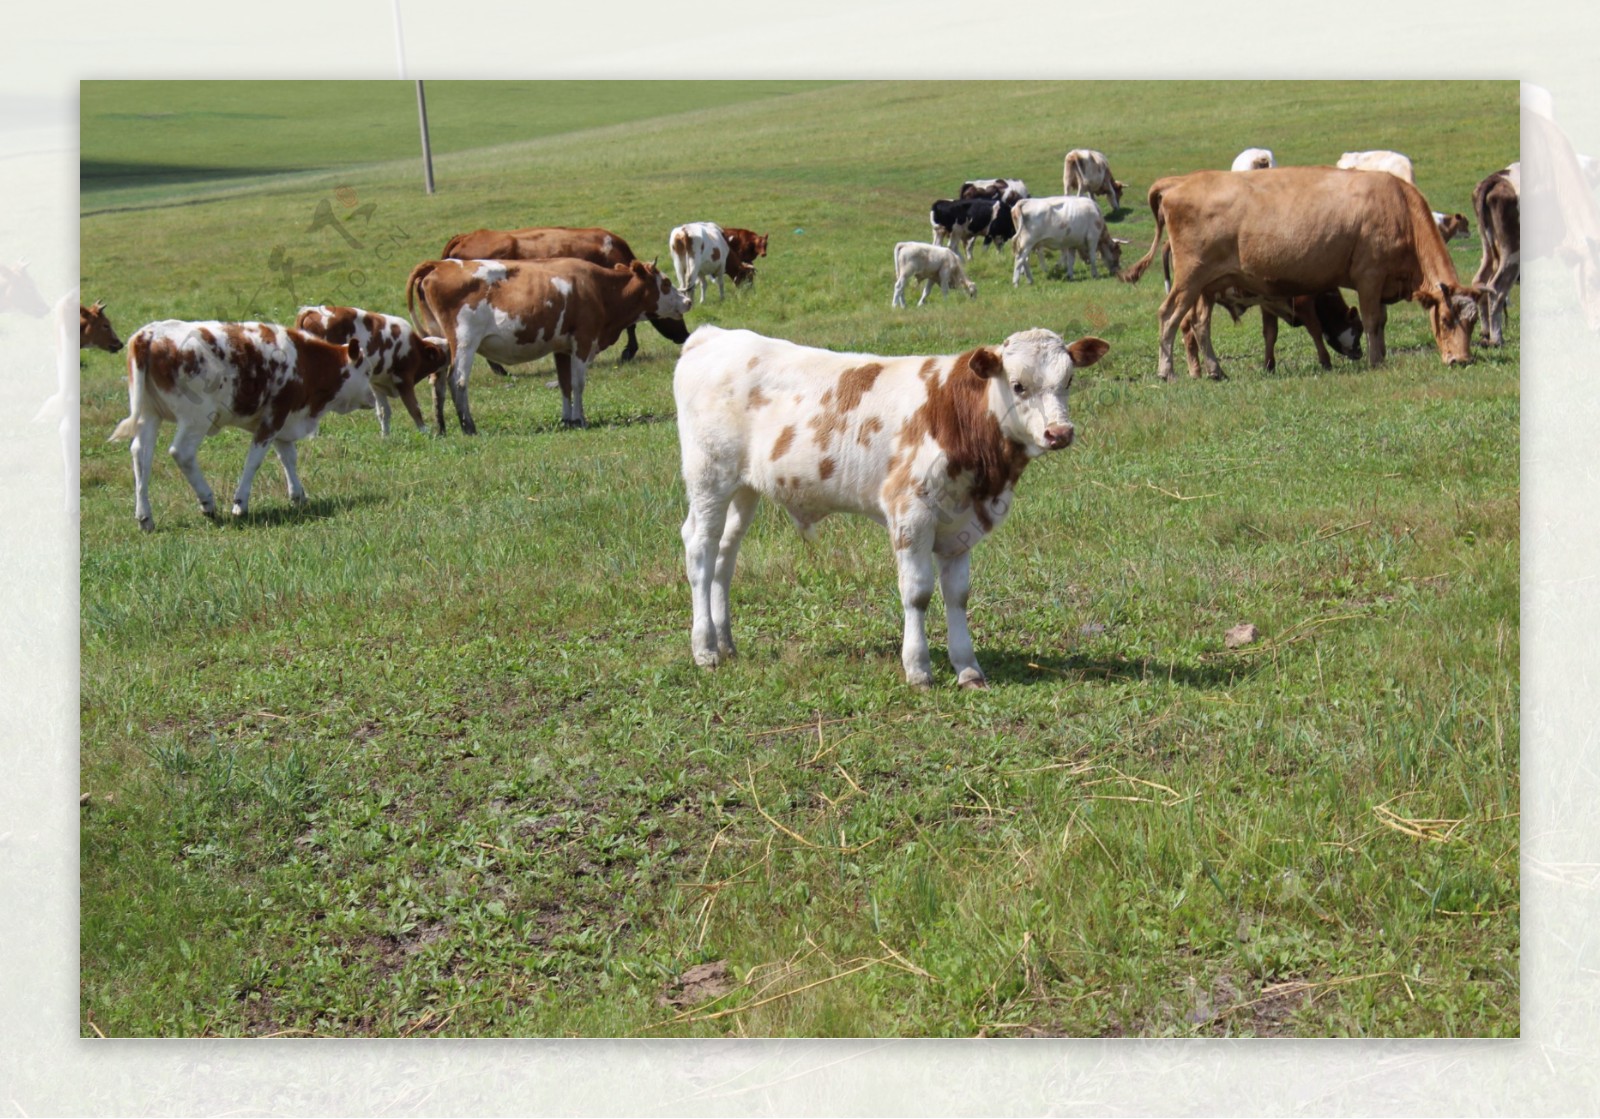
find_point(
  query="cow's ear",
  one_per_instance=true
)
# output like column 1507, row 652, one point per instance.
column 985, row 363
column 1086, row 351
column 1426, row 297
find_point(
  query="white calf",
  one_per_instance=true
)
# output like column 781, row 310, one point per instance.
column 1392, row 162
column 929, row 447
column 1074, row 225
column 1254, row 159
column 917, row 260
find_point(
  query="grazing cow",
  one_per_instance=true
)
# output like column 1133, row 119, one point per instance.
column 1085, row 172
column 400, row 357
column 95, row 329
column 520, row 310
column 1073, row 225
column 264, row 378
column 959, row 222
column 1007, row 192
column 929, row 447
column 1392, row 162
column 1254, row 159
column 915, row 260
column 700, row 254
column 1302, row 231
column 1498, row 204
column 1451, row 226
column 745, row 245
column 597, row 246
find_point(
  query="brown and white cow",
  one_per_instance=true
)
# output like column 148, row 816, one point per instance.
column 929, row 447
column 1085, row 172
column 267, row 379
column 95, row 329
column 1452, row 226
column 745, row 244
column 1498, row 204
column 520, row 310
column 701, row 253
column 1302, row 231
column 1007, row 192
column 597, row 246
column 1380, row 160
column 400, row 356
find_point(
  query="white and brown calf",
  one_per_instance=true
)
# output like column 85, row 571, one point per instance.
column 1254, row 159
column 932, row 264
column 513, row 311
column 929, row 447
column 267, row 379
column 401, row 357
column 701, row 253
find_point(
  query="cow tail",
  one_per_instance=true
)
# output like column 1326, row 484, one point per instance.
column 1131, row 275
column 432, row 326
column 138, row 355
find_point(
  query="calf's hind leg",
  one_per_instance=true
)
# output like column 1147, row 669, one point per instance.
column 740, row 511
column 702, row 535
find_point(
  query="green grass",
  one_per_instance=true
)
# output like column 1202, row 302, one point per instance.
column 430, row 756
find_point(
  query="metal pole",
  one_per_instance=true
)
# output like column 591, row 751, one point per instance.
column 427, row 149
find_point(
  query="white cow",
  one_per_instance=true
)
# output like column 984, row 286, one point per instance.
column 1392, row 162
column 700, row 254
column 929, row 447
column 1254, row 159
column 1073, row 225
column 274, row 382
column 1085, row 172
column 918, row 260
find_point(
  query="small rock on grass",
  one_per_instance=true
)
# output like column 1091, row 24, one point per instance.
column 1242, row 634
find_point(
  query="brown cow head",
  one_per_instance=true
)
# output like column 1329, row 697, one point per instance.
column 94, row 329
column 1452, row 309
column 428, row 356
column 1453, row 226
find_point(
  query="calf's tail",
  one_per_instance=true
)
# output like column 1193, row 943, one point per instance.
column 138, row 353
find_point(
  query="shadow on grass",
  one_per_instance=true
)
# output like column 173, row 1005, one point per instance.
column 1004, row 667
column 274, row 514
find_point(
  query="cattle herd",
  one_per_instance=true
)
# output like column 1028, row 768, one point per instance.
column 931, row 447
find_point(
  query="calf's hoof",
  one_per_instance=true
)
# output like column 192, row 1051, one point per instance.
column 920, row 679
column 239, row 509
column 972, row 678
column 147, row 524
column 574, row 423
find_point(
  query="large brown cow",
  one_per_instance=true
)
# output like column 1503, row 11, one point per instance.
column 597, row 246
column 520, row 310
column 1291, row 231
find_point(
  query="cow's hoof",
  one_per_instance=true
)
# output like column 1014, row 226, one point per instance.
column 707, row 659
column 973, row 679
column 575, row 423
column 238, row 510
column 923, row 680
column 1168, row 377
column 147, row 524
column 1218, row 375
column 298, row 499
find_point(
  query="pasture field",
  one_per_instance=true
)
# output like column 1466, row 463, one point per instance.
column 429, row 756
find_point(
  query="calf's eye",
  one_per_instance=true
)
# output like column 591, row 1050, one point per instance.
column 1017, row 387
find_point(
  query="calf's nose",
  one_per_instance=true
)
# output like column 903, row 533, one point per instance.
column 1057, row 436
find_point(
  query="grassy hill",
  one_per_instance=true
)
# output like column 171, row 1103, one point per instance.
column 429, row 754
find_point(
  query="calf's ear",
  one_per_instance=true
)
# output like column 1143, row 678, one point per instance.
column 985, row 362
column 353, row 348
column 1086, row 351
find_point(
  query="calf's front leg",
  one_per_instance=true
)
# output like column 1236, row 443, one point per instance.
column 913, row 554
column 955, row 580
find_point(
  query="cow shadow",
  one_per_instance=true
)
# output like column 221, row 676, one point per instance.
column 1003, row 666
column 277, row 513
